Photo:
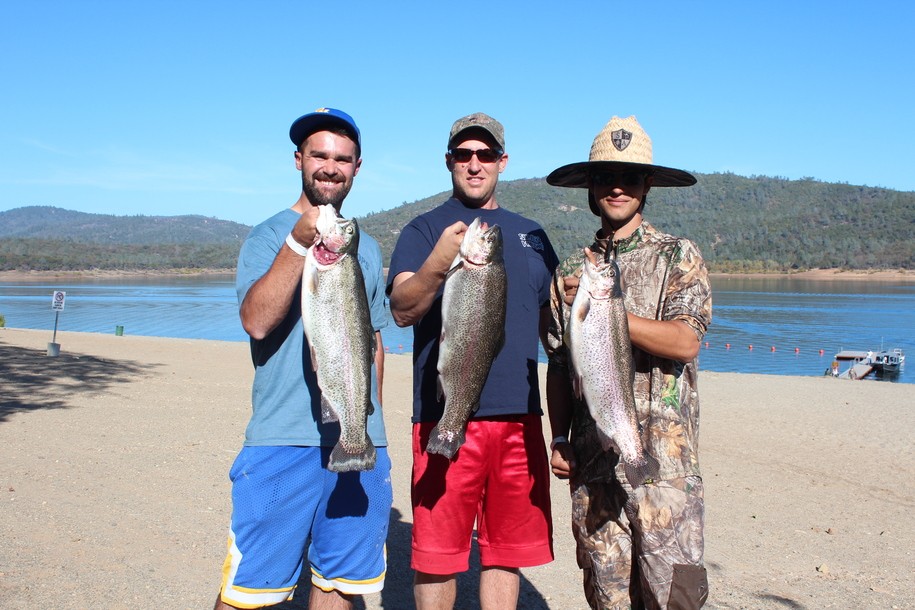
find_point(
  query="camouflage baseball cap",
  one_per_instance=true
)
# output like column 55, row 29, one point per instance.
column 479, row 120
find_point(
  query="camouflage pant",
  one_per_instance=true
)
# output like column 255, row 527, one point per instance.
column 643, row 550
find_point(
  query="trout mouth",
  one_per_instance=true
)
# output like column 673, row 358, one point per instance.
column 324, row 255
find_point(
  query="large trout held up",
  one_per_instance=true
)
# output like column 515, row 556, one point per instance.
column 337, row 323
column 473, row 331
column 602, row 368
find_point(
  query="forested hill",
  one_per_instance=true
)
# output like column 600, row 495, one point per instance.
column 740, row 224
column 46, row 238
column 55, row 223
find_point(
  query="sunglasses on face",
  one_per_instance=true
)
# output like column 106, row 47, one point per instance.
column 485, row 155
column 628, row 179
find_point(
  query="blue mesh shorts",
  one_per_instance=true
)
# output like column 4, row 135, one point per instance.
column 287, row 506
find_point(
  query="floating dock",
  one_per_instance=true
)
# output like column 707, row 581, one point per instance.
column 862, row 366
column 859, row 370
column 864, row 363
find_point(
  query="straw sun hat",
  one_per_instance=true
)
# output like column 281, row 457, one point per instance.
column 621, row 146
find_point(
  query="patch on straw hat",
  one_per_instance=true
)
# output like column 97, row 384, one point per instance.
column 478, row 120
column 621, row 146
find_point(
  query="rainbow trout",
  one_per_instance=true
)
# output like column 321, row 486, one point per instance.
column 338, row 326
column 473, row 331
column 602, row 367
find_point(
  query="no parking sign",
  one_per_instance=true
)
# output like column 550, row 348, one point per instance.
column 57, row 301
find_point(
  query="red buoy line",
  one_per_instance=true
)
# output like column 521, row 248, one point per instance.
column 797, row 350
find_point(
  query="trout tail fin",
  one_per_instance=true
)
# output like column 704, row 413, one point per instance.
column 343, row 461
column 444, row 442
column 644, row 472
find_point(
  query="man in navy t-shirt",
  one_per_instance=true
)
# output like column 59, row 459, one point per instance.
column 500, row 476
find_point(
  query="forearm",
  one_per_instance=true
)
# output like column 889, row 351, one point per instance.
column 673, row 339
column 559, row 403
column 413, row 294
column 268, row 300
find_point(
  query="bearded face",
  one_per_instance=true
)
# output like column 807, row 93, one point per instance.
column 328, row 162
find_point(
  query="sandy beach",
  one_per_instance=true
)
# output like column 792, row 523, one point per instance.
column 115, row 491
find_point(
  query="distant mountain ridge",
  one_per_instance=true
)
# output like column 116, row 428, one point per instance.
column 45, row 238
column 47, row 222
column 740, row 224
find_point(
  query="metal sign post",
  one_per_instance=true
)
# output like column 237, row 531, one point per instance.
column 57, row 304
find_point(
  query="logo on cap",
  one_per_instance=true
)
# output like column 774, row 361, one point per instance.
column 621, row 139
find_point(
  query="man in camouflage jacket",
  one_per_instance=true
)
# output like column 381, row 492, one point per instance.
column 640, row 547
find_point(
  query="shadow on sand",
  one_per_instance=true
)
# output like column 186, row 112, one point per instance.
column 398, row 586
column 26, row 375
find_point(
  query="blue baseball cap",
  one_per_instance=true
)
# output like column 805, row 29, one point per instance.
column 309, row 123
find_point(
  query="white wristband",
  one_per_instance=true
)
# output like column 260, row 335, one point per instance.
column 296, row 246
column 557, row 440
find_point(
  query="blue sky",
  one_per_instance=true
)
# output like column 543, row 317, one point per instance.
column 172, row 107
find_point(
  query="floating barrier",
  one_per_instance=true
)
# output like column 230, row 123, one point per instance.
column 772, row 348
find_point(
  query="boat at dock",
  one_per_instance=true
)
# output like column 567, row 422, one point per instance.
column 864, row 363
column 889, row 361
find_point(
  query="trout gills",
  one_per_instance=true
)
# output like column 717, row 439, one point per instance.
column 473, row 331
column 602, row 368
column 338, row 326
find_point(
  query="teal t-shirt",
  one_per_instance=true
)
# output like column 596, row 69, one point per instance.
column 285, row 400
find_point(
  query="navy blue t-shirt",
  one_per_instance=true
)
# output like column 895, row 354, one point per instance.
column 512, row 386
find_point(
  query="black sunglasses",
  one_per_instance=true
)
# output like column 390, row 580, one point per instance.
column 485, row 155
column 628, row 179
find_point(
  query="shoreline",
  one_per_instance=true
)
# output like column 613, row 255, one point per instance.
column 97, row 274
column 876, row 275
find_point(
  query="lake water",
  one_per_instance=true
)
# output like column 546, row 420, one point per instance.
column 794, row 326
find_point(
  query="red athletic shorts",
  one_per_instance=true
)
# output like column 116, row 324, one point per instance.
column 500, row 478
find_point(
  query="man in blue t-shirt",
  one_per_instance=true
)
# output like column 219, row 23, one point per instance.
column 499, row 478
column 286, row 505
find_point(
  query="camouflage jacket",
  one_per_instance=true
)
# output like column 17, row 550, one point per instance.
column 663, row 278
